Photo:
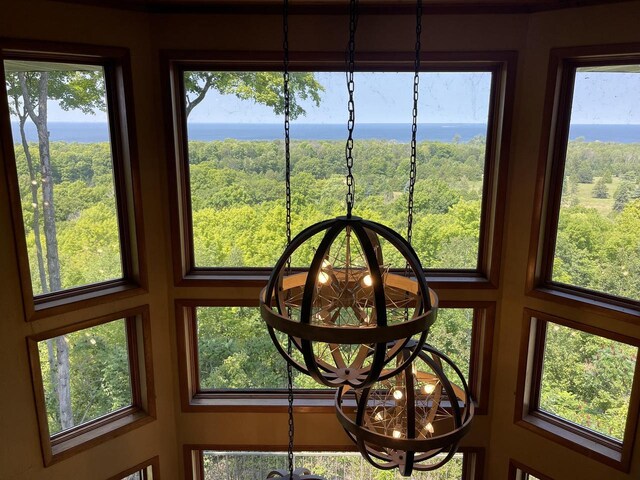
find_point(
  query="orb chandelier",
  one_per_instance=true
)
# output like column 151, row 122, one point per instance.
column 413, row 421
column 348, row 315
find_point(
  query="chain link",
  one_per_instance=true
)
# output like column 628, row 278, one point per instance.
column 287, row 156
column 414, row 125
column 351, row 106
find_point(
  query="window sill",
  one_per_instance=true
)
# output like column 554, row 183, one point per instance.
column 574, row 438
column 628, row 311
column 67, row 444
column 316, row 402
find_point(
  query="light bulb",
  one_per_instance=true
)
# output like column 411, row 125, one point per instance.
column 92, row 341
column 397, row 434
column 378, row 416
column 323, row 277
column 367, row 281
column 429, row 388
column 326, row 263
column 397, row 394
column 429, row 427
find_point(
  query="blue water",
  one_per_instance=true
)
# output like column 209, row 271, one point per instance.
column 442, row 132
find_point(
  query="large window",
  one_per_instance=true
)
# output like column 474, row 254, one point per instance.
column 580, row 386
column 91, row 379
column 228, row 352
column 255, row 465
column 592, row 233
column 230, row 171
column 72, row 181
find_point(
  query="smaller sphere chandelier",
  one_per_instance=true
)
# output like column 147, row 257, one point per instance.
column 413, row 421
column 349, row 315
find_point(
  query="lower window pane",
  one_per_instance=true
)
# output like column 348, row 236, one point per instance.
column 342, row 465
column 85, row 374
column 236, row 352
column 587, row 379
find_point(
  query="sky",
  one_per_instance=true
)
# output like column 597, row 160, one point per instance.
column 599, row 97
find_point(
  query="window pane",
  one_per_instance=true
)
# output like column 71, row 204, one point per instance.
column 587, row 379
column 598, row 239
column 85, row 374
column 236, row 352
column 65, row 173
column 236, row 160
column 343, row 465
column 451, row 334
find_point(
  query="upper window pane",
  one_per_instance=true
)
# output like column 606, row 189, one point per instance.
column 236, row 160
column 344, row 465
column 85, row 375
column 598, row 239
column 587, row 379
column 65, row 173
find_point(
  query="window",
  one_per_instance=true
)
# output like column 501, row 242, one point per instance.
column 91, row 379
column 517, row 471
column 144, row 471
column 582, row 385
column 72, row 181
column 237, row 465
column 230, row 163
column 592, row 232
column 231, row 353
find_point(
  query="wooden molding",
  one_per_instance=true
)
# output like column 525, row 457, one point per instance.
column 152, row 465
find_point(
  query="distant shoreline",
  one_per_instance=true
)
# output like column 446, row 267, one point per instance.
column 401, row 133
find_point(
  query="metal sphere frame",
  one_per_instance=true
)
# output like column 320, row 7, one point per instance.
column 380, row 341
column 405, row 451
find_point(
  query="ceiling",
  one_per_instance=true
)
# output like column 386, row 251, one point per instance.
column 339, row 6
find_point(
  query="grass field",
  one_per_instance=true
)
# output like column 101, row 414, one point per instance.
column 603, row 205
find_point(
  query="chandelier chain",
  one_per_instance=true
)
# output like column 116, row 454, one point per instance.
column 353, row 20
column 287, row 156
column 414, row 125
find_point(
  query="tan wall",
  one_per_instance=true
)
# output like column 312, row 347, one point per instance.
column 531, row 35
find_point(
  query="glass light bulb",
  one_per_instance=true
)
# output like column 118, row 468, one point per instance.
column 326, row 263
column 429, row 388
column 397, row 434
column 429, row 427
column 323, row 277
column 367, row 280
column 378, row 416
column 397, row 394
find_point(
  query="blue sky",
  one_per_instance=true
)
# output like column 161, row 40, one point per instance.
column 599, row 97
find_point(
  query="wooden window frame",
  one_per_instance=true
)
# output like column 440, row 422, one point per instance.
column 501, row 64
column 548, row 191
column 194, row 399
column 117, row 73
column 517, row 471
column 472, row 461
column 142, row 409
column 566, row 433
column 149, row 466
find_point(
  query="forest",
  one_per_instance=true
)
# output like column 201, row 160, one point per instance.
column 237, row 202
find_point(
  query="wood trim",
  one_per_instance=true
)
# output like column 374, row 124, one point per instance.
column 319, row 7
column 142, row 409
column 473, row 458
column 548, row 190
column 152, row 464
column 516, row 467
column 117, row 74
column 568, row 434
column 501, row 64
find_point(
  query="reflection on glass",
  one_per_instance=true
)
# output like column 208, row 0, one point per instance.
column 236, row 160
column 587, row 379
column 598, row 237
column 85, row 375
column 65, row 173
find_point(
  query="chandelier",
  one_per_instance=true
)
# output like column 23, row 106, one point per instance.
column 354, row 321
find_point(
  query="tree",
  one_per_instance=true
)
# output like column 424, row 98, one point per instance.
column 622, row 195
column 600, row 189
column 265, row 88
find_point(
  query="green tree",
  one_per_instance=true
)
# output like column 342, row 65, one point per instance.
column 600, row 189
